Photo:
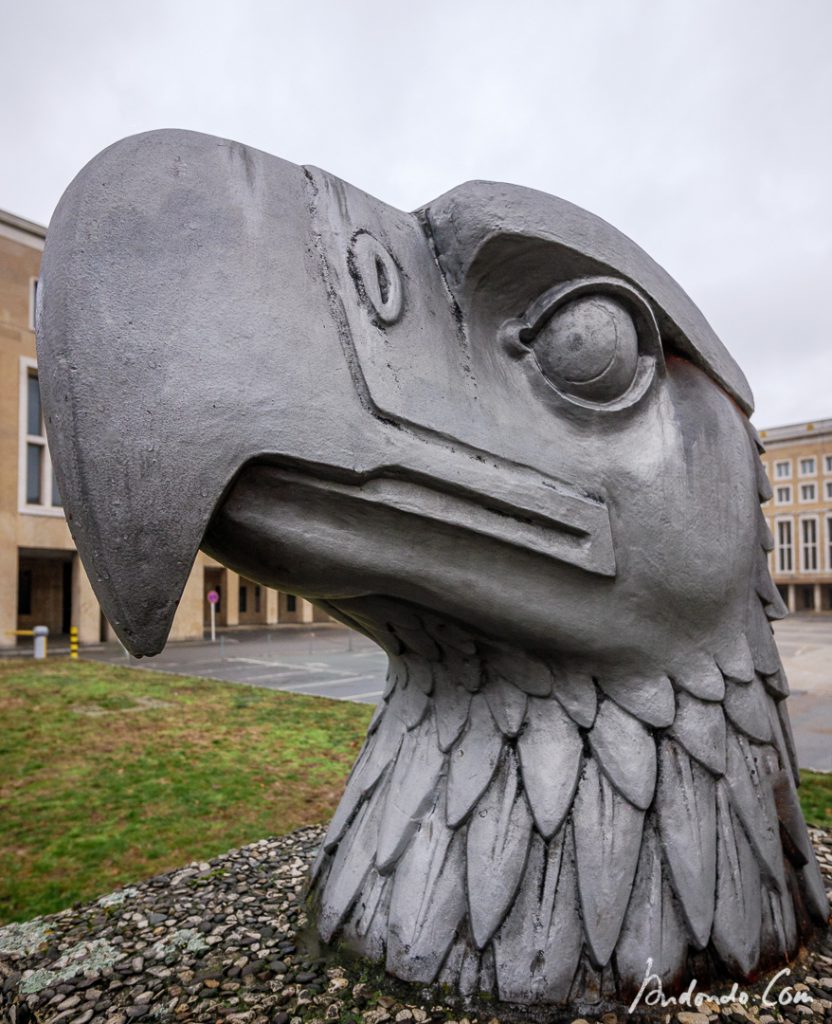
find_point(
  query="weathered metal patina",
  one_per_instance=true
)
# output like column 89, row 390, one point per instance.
column 496, row 437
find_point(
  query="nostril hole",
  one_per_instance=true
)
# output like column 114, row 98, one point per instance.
column 383, row 281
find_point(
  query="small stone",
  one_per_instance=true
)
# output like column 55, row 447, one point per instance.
column 692, row 1018
column 68, row 1003
column 211, row 983
column 85, row 1017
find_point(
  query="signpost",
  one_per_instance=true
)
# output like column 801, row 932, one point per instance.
column 213, row 600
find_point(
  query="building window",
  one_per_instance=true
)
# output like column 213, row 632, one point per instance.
column 829, row 543
column 243, row 599
column 785, row 561
column 38, row 487
column 24, row 592
column 807, row 466
column 34, row 295
column 827, row 463
column 828, row 486
column 783, row 470
column 808, row 492
column 257, row 589
column 809, row 544
column 291, row 603
column 783, row 495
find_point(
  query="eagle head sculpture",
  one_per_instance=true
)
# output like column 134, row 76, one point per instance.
column 501, row 441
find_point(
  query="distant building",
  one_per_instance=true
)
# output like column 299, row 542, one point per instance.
column 42, row 581
column 798, row 463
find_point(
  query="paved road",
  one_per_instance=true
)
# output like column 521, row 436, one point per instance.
column 805, row 643
column 329, row 661
column 325, row 661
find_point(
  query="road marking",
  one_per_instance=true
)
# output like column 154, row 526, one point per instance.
column 309, row 666
column 328, row 682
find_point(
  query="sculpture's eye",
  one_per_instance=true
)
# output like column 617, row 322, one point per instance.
column 589, row 347
column 594, row 340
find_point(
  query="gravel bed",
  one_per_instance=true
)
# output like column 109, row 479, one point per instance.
column 228, row 941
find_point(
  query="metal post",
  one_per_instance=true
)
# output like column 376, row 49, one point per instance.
column 41, row 633
column 73, row 642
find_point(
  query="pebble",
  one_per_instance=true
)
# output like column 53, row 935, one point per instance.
column 217, row 943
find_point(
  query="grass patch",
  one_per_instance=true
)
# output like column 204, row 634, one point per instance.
column 816, row 798
column 109, row 775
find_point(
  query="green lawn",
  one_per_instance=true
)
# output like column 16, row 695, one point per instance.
column 109, row 775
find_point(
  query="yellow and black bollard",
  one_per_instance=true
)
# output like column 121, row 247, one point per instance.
column 73, row 642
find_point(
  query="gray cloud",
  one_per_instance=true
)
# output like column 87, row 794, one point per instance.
column 701, row 129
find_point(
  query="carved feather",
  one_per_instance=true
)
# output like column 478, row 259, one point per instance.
column 351, row 864
column 778, row 928
column 366, row 931
column 773, row 604
column 473, row 761
column 687, row 825
column 447, row 634
column 699, row 674
column 777, row 685
column 796, row 843
column 378, row 714
column 746, row 705
column 527, row 673
column 379, row 751
column 814, row 890
column 788, row 738
column 753, row 802
column 550, row 749
column 761, row 641
column 507, row 703
column 626, row 752
column 464, row 668
column 607, row 832
column 451, row 701
column 700, row 728
column 735, row 660
column 737, row 918
column 649, row 698
column 498, row 843
column 544, row 922
column 410, row 703
column 576, row 693
column 428, row 899
column 461, row 969
column 420, row 674
column 418, row 641
column 413, row 781
column 653, row 925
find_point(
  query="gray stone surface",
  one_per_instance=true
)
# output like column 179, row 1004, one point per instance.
column 499, row 440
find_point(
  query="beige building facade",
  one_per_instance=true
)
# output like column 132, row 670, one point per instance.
column 42, row 581
column 798, row 461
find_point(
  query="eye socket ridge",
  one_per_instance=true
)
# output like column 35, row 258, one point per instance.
column 601, row 352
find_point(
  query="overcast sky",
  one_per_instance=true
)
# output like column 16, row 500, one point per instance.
column 703, row 129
